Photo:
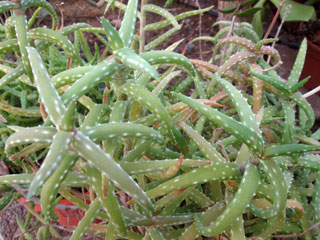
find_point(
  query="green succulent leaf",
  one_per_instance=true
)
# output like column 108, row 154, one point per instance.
column 205, row 147
column 236, row 207
column 94, row 117
column 14, row 74
column 235, row 128
column 316, row 199
column 20, row 111
column 74, row 27
column 112, row 34
column 151, row 102
column 279, row 191
column 289, row 149
column 298, row 64
column 70, row 76
column 156, row 42
column 30, row 135
column 112, row 130
column 166, row 57
column 277, row 83
column 100, row 73
column 7, row 5
column 57, row 38
column 51, row 186
column 244, row 110
column 68, row 119
column 306, row 107
column 25, row 4
column 108, row 200
column 134, row 168
column 310, row 162
column 129, row 58
column 47, row 91
column 165, row 23
column 85, row 222
column 6, row 200
column 7, row 46
column 102, row 161
column 59, row 147
column 21, row 28
column 216, row 171
column 129, row 23
column 164, row 13
column 72, row 180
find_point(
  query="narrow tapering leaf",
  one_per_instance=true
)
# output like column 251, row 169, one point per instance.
column 86, row 221
column 47, row 91
column 30, row 135
column 237, row 129
column 166, row 57
column 112, row 34
column 100, row 73
column 7, row 5
column 310, row 162
column 10, row 45
column 298, row 64
column 276, row 82
column 163, row 12
column 69, row 76
column 59, row 147
column 151, row 102
column 236, row 207
column 102, row 161
column 111, row 130
column 143, row 167
column 217, row 171
column 68, row 119
column 205, row 147
column 57, row 38
column 289, row 149
column 279, row 191
column 51, row 186
column 129, row 23
column 165, row 23
column 108, row 199
column 244, row 110
column 129, row 58
column 306, row 107
column 21, row 27
column 43, row 4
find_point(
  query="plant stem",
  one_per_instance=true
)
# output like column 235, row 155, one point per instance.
column 297, row 235
column 142, row 24
column 310, row 93
column 274, row 19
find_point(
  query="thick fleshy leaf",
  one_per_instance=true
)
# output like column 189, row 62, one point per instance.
column 237, row 129
column 112, row 130
column 47, row 91
column 112, row 34
column 216, row 171
column 58, row 149
column 129, row 23
column 129, row 58
column 236, row 207
column 30, row 135
column 151, row 102
column 244, row 110
column 102, row 161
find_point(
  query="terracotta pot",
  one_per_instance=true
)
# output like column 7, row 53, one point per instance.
column 311, row 66
column 68, row 217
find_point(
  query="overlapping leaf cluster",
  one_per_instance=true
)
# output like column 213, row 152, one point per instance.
column 235, row 158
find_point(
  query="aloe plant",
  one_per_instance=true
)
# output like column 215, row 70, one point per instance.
column 234, row 159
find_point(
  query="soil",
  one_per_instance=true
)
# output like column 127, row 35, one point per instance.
column 73, row 11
